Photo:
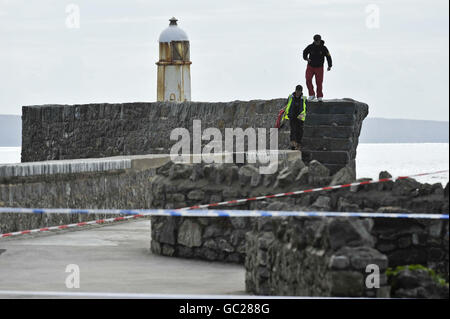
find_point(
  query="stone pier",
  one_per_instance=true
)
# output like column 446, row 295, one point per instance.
column 94, row 156
column 58, row 132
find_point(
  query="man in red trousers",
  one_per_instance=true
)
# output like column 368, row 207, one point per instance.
column 315, row 54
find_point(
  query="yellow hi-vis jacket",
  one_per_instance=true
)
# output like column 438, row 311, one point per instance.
column 288, row 106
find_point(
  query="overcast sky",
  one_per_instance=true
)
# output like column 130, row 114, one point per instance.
column 241, row 50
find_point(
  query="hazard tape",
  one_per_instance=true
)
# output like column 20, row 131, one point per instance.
column 202, row 213
column 328, row 188
column 217, row 213
column 133, row 214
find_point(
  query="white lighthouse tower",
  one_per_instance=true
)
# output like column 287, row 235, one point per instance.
column 174, row 65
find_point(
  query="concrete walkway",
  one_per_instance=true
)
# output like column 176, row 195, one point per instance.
column 111, row 259
column 133, row 162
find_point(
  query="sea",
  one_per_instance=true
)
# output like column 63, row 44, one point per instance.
column 398, row 159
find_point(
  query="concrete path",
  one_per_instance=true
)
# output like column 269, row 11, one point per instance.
column 134, row 162
column 111, row 259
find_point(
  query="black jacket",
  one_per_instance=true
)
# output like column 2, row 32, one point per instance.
column 296, row 106
column 317, row 55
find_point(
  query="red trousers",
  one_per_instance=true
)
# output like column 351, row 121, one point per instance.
column 318, row 73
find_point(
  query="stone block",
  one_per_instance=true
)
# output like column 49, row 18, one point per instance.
column 361, row 257
column 344, row 176
column 285, row 178
column 343, row 205
column 190, row 234
column 213, row 230
column 178, row 171
column 265, row 240
column 296, row 166
column 331, row 119
column 167, row 231
column 383, row 292
column 322, row 203
column 245, row 174
column 339, row 262
column 406, row 187
column 256, row 180
column 239, row 222
column 318, row 174
column 303, row 176
column 197, row 195
column 327, row 144
column 329, row 157
column 344, row 107
column 328, row 131
column 347, row 284
column 349, row 232
column 225, row 246
column 435, row 229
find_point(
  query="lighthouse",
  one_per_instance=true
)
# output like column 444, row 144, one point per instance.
column 174, row 65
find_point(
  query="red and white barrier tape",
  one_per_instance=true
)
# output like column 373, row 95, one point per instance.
column 80, row 224
column 238, row 201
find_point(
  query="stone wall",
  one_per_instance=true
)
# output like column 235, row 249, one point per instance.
column 130, row 182
column 219, row 239
column 121, row 189
column 280, row 254
column 306, row 256
column 403, row 241
column 303, row 256
column 311, row 257
column 176, row 185
column 332, row 132
column 55, row 132
column 215, row 239
column 329, row 257
column 133, row 182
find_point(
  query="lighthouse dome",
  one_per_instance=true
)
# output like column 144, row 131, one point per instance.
column 173, row 33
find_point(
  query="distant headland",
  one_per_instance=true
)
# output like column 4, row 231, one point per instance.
column 375, row 130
